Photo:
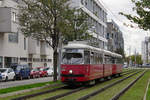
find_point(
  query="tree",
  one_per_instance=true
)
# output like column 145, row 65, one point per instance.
column 121, row 52
column 132, row 58
column 142, row 8
column 51, row 20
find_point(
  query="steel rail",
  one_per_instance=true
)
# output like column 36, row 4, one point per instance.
column 53, row 90
column 65, row 94
column 70, row 92
column 116, row 97
column 106, row 87
column 37, row 94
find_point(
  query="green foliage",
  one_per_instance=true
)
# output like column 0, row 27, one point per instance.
column 137, row 91
column 47, row 19
column 142, row 8
column 132, row 57
column 80, row 26
column 121, row 52
column 19, row 88
column 148, row 93
column 52, row 21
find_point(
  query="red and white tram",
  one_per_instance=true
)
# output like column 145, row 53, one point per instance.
column 83, row 63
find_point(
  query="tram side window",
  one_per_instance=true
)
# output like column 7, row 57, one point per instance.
column 113, row 60
column 100, row 59
column 108, row 60
column 86, row 57
column 96, row 58
column 119, row 61
column 92, row 58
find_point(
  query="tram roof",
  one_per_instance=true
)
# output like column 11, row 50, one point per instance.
column 84, row 46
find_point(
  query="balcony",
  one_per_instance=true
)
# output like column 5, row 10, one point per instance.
column 7, row 20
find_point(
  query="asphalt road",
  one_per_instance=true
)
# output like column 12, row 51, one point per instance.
column 24, row 82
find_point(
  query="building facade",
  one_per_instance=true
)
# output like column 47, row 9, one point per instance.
column 14, row 47
column 115, row 37
column 146, row 50
column 17, row 49
column 97, row 18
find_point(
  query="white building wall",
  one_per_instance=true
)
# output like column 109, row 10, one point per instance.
column 145, row 52
column 10, row 48
column 25, row 50
column 97, row 18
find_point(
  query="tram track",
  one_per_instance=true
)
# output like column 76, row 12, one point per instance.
column 65, row 94
column 57, row 89
column 76, row 90
column 117, row 96
column 106, row 87
column 127, row 72
column 39, row 93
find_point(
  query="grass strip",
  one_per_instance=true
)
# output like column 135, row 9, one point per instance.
column 18, row 88
column 148, row 93
column 82, row 93
column 109, row 93
column 31, row 92
column 48, row 95
column 41, row 97
column 137, row 91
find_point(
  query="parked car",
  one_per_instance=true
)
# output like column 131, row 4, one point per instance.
column 42, row 71
column 7, row 74
column 21, row 71
column 146, row 65
column 34, row 73
column 0, row 76
column 50, row 71
column 125, row 66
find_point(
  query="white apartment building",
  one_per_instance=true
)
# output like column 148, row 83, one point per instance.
column 115, row 37
column 14, row 47
column 97, row 16
column 146, row 50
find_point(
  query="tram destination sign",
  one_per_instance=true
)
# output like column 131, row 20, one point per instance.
column 74, row 50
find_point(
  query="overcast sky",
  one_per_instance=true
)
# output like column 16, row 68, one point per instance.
column 132, row 36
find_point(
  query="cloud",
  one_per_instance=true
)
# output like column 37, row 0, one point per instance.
column 132, row 36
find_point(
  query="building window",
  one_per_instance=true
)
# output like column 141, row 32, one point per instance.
column 23, row 59
column 24, row 43
column 13, row 37
column 36, row 59
column 49, row 60
column 1, row 62
column 30, row 59
column 14, row 16
column 10, row 60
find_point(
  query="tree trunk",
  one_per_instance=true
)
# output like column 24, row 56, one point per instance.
column 55, row 56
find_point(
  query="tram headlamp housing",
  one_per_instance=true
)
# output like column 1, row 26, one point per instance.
column 70, row 71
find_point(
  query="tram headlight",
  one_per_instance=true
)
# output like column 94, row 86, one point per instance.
column 70, row 71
